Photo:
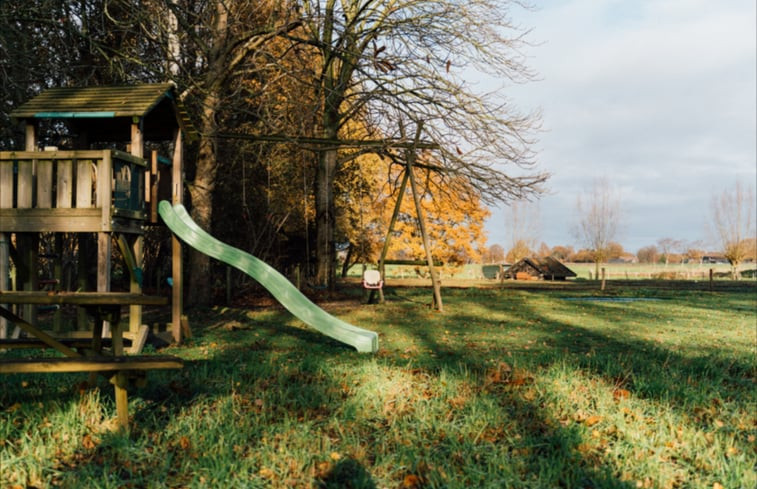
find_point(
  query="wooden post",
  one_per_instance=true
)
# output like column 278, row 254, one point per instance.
column 4, row 275
column 228, row 286
column 385, row 249
column 711, row 274
column 6, row 202
column 177, row 189
column 137, row 242
column 154, row 181
column 58, row 275
column 104, row 250
column 603, row 279
column 83, row 247
column 28, row 243
column 410, row 159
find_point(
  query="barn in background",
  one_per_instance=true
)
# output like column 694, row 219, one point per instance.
column 547, row 268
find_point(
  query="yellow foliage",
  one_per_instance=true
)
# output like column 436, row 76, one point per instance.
column 453, row 213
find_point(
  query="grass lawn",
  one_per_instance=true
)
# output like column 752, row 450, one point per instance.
column 539, row 387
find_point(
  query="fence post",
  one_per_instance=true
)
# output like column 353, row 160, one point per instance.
column 711, row 273
column 603, row 278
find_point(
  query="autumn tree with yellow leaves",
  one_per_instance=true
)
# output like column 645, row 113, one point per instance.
column 453, row 212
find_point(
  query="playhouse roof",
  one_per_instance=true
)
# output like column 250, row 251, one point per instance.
column 106, row 112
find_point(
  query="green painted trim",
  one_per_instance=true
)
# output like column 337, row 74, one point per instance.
column 73, row 115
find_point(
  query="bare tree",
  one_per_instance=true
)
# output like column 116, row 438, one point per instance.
column 667, row 246
column 733, row 213
column 494, row 254
column 599, row 217
column 648, row 254
column 394, row 63
column 522, row 220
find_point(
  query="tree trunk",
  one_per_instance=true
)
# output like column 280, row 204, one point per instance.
column 325, row 221
column 201, row 193
column 348, row 260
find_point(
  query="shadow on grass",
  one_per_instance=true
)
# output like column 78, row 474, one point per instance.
column 346, row 474
column 225, row 388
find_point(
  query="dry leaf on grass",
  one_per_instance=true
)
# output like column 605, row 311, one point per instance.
column 411, row 481
column 88, row 442
column 592, row 420
column 184, row 443
column 619, row 394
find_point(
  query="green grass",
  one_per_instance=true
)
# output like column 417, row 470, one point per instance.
column 507, row 388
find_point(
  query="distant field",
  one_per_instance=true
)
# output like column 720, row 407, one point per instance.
column 613, row 271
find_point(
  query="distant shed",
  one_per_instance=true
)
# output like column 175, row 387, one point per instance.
column 539, row 269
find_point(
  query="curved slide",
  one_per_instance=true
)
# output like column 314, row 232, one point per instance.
column 178, row 220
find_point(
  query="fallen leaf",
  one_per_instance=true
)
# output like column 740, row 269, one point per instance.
column 717, row 485
column 14, row 407
column 619, row 394
column 87, row 442
column 592, row 420
column 411, row 481
column 335, row 456
column 184, row 443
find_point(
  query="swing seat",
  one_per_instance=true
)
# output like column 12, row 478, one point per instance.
column 372, row 279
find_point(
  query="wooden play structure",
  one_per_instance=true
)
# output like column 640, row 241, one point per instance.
column 103, row 184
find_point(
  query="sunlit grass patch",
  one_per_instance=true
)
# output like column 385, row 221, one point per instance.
column 507, row 388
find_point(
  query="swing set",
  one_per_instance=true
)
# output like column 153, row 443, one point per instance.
column 373, row 280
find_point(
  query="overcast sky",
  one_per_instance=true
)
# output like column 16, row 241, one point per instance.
column 658, row 96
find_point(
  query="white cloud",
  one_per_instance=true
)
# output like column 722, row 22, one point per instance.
column 657, row 95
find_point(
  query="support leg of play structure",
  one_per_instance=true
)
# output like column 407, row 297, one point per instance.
column 104, row 251
column 410, row 159
column 84, row 246
column 58, row 276
column 28, row 251
column 4, row 275
column 132, row 250
column 385, row 249
column 177, row 197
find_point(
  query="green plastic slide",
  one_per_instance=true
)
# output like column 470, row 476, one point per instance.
column 178, row 220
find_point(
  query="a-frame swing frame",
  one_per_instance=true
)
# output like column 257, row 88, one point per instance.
column 408, row 176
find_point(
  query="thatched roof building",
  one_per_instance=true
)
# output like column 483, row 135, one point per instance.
column 539, row 269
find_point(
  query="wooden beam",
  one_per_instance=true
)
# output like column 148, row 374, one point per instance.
column 410, row 159
column 177, row 197
column 378, row 143
column 412, row 262
column 33, row 330
column 82, row 298
column 89, row 364
column 92, row 154
column 385, row 249
column 51, row 220
column 33, row 343
column 4, row 275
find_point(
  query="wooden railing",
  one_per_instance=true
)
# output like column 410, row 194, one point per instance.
column 64, row 191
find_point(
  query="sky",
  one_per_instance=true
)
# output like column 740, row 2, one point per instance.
column 657, row 96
